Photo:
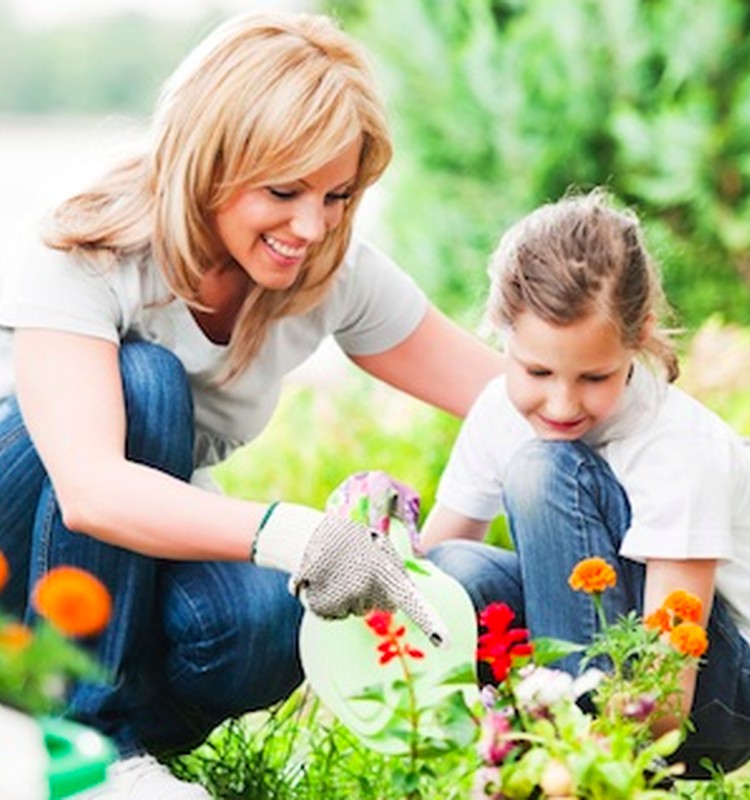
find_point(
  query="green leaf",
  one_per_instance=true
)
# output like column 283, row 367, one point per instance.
column 548, row 650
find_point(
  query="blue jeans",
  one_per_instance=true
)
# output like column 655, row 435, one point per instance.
column 190, row 643
column 564, row 504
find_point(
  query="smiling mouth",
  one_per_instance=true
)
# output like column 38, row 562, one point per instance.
column 283, row 250
column 563, row 426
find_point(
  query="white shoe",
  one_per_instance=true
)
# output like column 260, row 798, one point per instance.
column 143, row 778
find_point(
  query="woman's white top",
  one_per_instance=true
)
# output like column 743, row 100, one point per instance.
column 685, row 471
column 371, row 307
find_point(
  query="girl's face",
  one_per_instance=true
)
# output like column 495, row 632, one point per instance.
column 268, row 231
column 566, row 379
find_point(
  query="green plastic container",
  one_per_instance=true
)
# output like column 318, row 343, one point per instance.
column 78, row 756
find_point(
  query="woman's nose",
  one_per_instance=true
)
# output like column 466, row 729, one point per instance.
column 309, row 222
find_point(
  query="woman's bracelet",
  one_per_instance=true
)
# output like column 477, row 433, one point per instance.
column 264, row 520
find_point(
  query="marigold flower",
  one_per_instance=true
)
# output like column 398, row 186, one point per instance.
column 659, row 620
column 15, row 637
column 4, row 570
column 73, row 600
column 592, row 575
column 500, row 646
column 689, row 638
column 685, row 606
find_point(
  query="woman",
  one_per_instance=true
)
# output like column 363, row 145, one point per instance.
column 148, row 339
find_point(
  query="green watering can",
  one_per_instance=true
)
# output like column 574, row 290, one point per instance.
column 78, row 757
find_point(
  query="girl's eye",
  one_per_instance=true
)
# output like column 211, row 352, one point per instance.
column 595, row 378
column 538, row 373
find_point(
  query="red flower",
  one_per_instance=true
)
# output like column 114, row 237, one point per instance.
column 500, row 646
column 393, row 646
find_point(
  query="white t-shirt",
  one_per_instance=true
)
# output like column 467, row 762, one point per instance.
column 371, row 307
column 685, row 471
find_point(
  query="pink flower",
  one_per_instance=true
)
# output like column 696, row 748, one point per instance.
column 495, row 745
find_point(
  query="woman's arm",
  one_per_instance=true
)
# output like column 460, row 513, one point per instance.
column 443, row 524
column 440, row 363
column 70, row 391
column 695, row 576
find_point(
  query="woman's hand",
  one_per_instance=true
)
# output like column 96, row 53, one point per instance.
column 341, row 567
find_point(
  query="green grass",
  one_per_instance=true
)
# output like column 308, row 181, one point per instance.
column 297, row 750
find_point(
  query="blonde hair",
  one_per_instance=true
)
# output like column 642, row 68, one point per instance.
column 579, row 255
column 267, row 97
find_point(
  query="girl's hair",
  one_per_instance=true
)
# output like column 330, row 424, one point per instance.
column 266, row 98
column 569, row 259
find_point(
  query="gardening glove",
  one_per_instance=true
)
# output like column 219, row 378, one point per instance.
column 343, row 567
column 375, row 498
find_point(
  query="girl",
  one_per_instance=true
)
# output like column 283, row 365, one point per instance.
column 148, row 339
column 590, row 451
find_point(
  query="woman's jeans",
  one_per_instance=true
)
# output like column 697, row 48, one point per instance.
column 564, row 504
column 189, row 643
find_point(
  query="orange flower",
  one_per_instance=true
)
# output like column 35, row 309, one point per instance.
column 592, row 575
column 4, row 570
column 15, row 637
column 689, row 638
column 659, row 620
column 73, row 600
column 685, row 606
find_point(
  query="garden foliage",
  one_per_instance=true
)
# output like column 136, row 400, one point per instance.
column 500, row 105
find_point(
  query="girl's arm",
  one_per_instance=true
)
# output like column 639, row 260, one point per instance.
column 70, row 391
column 440, row 363
column 443, row 524
column 695, row 576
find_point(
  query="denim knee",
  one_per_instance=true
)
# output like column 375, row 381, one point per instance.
column 159, row 408
column 549, row 482
column 541, row 468
column 488, row 574
column 232, row 631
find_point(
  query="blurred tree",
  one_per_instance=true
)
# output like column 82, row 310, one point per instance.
column 114, row 63
column 499, row 105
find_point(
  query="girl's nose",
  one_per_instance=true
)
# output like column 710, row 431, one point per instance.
column 562, row 403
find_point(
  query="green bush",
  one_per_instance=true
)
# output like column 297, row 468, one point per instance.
column 500, row 105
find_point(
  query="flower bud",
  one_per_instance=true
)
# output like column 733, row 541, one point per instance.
column 556, row 779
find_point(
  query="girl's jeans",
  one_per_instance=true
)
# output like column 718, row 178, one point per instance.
column 189, row 643
column 564, row 504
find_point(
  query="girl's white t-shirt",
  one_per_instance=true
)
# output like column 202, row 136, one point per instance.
column 685, row 471
column 371, row 307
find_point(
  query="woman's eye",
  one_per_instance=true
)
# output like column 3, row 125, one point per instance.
column 281, row 194
column 337, row 197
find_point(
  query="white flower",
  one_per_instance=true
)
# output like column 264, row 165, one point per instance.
column 543, row 687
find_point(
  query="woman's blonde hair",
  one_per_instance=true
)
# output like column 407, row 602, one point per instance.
column 577, row 256
column 265, row 98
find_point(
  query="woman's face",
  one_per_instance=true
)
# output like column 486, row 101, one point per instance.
column 268, row 230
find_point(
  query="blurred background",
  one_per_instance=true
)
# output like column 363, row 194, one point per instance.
column 496, row 106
